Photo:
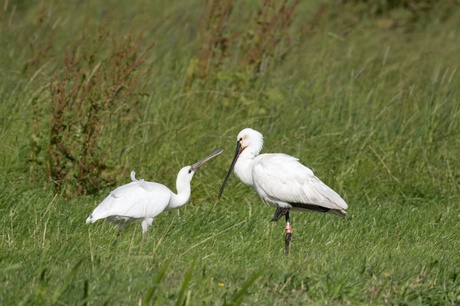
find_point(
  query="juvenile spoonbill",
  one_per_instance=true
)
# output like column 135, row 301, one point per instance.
column 141, row 200
column 281, row 181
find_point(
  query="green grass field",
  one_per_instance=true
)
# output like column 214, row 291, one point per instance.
column 369, row 102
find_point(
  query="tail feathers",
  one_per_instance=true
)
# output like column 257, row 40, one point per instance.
column 321, row 209
column 310, row 207
column 93, row 218
column 338, row 212
column 90, row 220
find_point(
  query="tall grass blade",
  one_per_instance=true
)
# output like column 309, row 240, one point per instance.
column 159, row 277
column 237, row 298
column 185, row 283
column 66, row 282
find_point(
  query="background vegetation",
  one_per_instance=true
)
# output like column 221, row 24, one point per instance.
column 363, row 92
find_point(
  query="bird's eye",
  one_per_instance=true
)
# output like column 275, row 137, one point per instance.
column 190, row 170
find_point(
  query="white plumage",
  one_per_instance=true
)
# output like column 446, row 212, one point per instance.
column 281, row 181
column 141, row 200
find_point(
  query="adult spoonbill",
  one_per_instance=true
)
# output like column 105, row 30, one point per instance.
column 281, row 181
column 141, row 200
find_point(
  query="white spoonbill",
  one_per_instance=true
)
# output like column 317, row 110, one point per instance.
column 281, row 181
column 141, row 200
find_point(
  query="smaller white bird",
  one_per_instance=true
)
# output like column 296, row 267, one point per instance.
column 141, row 200
column 281, row 181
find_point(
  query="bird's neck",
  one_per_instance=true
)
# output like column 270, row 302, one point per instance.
column 181, row 198
column 243, row 167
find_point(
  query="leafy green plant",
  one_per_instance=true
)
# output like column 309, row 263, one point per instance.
column 378, row 7
column 394, row 13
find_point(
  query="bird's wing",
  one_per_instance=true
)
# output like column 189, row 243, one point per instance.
column 138, row 199
column 281, row 179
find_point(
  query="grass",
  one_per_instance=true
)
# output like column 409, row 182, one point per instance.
column 373, row 111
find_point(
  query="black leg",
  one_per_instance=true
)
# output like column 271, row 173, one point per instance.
column 279, row 213
column 287, row 240
column 115, row 242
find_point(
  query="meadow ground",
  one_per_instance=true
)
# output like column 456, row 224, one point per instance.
column 369, row 102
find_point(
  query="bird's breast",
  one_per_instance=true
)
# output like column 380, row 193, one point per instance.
column 243, row 170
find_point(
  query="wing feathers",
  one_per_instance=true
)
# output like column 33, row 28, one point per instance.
column 134, row 200
column 282, row 180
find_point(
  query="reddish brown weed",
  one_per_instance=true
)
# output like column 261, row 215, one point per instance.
column 83, row 97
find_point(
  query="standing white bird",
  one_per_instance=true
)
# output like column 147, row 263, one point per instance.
column 141, row 200
column 281, row 181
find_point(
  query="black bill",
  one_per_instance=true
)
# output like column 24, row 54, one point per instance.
column 235, row 158
column 210, row 156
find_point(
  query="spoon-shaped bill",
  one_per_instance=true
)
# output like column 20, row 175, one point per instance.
column 210, row 156
column 235, row 158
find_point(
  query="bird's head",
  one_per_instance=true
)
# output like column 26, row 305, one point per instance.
column 248, row 140
column 186, row 174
